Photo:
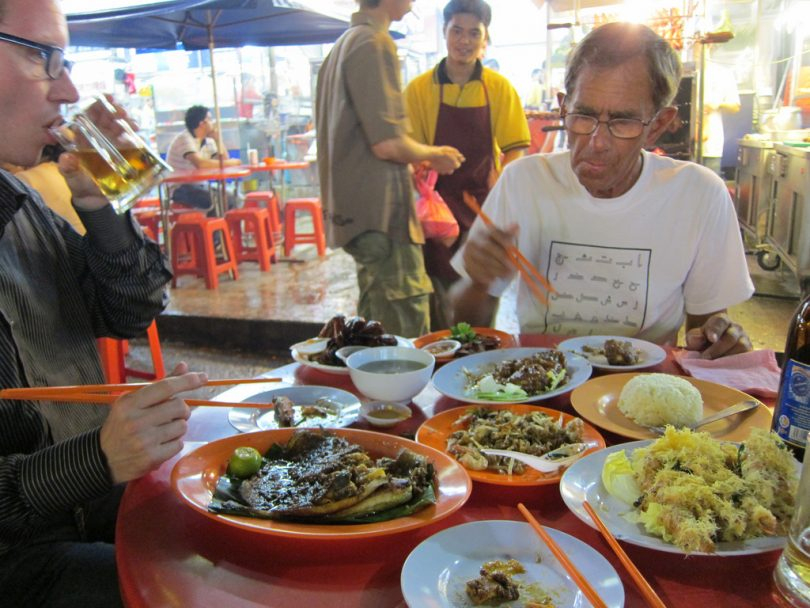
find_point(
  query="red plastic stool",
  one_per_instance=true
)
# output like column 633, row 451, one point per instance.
column 268, row 199
column 291, row 235
column 150, row 222
column 252, row 236
column 194, row 252
column 150, row 203
column 113, row 358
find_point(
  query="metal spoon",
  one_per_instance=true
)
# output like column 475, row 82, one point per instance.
column 742, row 406
column 549, row 462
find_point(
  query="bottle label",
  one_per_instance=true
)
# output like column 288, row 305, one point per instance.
column 792, row 421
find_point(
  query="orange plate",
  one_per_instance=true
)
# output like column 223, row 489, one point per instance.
column 507, row 340
column 597, row 402
column 195, row 476
column 435, row 431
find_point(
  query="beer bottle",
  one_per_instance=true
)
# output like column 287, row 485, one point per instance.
column 791, row 415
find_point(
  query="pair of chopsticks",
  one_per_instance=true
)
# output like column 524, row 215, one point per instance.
column 536, row 281
column 108, row 393
column 650, row 596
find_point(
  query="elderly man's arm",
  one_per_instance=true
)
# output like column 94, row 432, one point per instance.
column 715, row 335
column 472, row 304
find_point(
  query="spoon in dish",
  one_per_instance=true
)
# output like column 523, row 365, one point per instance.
column 550, row 462
column 742, row 406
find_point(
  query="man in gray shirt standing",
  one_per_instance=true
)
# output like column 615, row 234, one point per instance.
column 363, row 160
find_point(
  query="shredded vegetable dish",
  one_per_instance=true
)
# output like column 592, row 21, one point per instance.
column 540, row 373
column 535, row 433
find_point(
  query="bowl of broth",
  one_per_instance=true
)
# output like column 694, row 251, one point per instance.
column 390, row 373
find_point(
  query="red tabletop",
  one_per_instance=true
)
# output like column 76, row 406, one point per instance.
column 170, row 555
column 206, row 174
column 277, row 165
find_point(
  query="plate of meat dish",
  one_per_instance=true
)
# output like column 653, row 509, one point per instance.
column 394, row 484
column 473, row 340
column 512, row 375
column 462, row 431
column 297, row 406
column 320, row 352
column 454, row 568
column 615, row 353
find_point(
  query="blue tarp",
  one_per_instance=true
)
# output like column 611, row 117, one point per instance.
column 192, row 24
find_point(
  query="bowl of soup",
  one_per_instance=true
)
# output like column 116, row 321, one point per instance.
column 390, row 373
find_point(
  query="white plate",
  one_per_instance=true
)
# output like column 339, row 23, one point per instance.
column 451, row 381
column 249, row 419
column 334, row 369
column 437, row 570
column 583, row 481
column 649, row 354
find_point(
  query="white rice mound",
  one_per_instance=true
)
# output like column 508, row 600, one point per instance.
column 659, row 399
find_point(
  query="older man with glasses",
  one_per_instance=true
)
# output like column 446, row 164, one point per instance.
column 63, row 466
column 634, row 244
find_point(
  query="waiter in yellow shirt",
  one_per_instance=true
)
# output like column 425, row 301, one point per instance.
column 461, row 103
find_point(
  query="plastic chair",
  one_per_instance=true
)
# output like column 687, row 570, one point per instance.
column 194, row 249
column 291, row 235
column 252, row 236
column 268, row 199
column 113, row 353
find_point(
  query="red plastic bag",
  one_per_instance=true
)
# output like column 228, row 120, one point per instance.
column 438, row 222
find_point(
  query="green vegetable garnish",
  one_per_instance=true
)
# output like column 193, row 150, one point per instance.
column 463, row 332
column 556, row 379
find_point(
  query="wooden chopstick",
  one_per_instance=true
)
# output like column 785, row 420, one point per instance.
column 650, row 596
column 529, row 273
column 14, row 393
column 109, row 398
column 573, row 571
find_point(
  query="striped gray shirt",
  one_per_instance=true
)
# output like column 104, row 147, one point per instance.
column 58, row 292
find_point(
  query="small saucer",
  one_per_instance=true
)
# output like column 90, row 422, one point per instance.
column 442, row 348
column 382, row 414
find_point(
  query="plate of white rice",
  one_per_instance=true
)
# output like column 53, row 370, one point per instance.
column 653, row 400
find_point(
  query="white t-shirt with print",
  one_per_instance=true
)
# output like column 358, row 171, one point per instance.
column 185, row 143
column 631, row 265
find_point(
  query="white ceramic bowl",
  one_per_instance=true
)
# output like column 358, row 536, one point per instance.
column 387, row 386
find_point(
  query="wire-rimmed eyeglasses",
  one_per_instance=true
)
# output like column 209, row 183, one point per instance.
column 622, row 128
column 53, row 58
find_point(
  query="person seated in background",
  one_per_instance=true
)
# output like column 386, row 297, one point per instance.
column 63, row 466
column 476, row 110
column 633, row 243
column 49, row 182
column 198, row 147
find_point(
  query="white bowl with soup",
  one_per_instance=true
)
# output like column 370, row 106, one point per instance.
column 390, row 373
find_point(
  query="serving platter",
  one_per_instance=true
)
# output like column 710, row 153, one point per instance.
column 435, row 431
column 649, row 354
column 346, row 408
column 597, row 402
column 583, row 481
column 296, row 350
column 194, row 478
column 451, row 381
column 507, row 340
column 436, row 571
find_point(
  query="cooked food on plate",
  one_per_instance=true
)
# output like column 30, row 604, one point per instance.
column 354, row 331
column 542, row 372
column 660, row 399
column 496, row 585
column 286, row 413
column 694, row 491
column 283, row 411
column 536, row 433
column 617, row 352
column 472, row 342
column 320, row 477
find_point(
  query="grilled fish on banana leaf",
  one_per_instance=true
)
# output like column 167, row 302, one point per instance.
column 319, row 477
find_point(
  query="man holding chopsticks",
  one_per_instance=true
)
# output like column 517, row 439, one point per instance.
column 61, row 465
column 632, row 243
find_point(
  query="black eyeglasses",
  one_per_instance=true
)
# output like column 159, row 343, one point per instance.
column 53, row 58
column 622, row 128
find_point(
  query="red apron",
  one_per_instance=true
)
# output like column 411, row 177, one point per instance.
column 469, row 131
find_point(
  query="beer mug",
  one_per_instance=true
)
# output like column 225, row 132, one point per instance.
column 123, row 168
column 792, row 574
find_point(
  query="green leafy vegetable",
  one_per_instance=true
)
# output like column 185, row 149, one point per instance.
column 463, row 332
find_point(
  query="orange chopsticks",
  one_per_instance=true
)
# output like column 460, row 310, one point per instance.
column 529, row 273
column 58, row 392
column 576, row 575
column 109, row 398
column 650, row 596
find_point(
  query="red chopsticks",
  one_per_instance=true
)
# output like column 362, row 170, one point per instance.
column 536, row 281
column 573, row 571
